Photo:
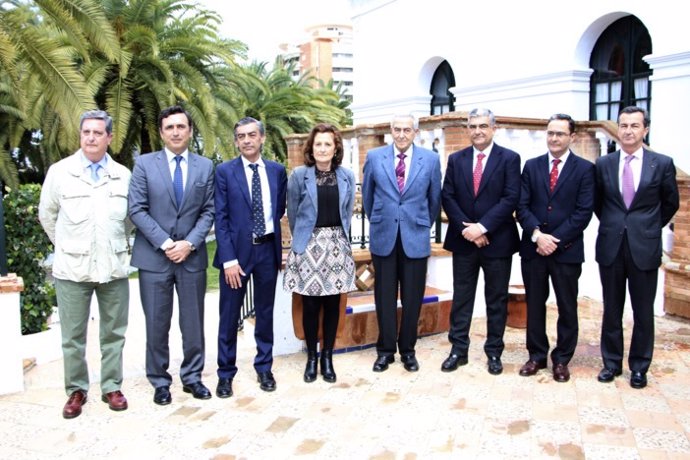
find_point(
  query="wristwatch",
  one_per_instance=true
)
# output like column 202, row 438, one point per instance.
column 191, row 246
column 535, row 235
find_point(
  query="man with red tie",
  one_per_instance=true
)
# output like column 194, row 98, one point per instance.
column 480, row 193
column 636, row 196
column 556, row 205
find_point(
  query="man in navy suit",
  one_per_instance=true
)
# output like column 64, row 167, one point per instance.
column 401, row 194
column 636, row 196
column 171, row 204
column 556, row 203
column 480, row 193
column 250, row 201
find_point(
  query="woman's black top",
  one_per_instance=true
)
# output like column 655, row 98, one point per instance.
column 327, row 191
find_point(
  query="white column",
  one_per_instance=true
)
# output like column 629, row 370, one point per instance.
column 11, row 366
column 670, row 96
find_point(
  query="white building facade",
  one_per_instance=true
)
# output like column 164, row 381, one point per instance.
column 521, row 59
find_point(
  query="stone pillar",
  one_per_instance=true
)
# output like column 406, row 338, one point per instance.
column 295, row 147
column 586, row 145
column 456, row 138
column 677, row 283
column 367, row 139
column 12, row 380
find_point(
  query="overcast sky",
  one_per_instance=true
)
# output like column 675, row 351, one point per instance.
column 264, row 24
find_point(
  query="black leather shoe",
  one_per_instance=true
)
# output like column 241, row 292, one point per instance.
column 453, row 361
column 198, row 390
column 224, row 388
column 607, row 375
column 162, row 396
column 410, row 363
column 382, row 362
column 495, row 365
column 638, row 379
column 266, row 381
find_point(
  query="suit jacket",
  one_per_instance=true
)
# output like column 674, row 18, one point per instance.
column 413, row 212
column 234, row 211
column 656, row 201
column 493, row 207
column 565, row 213
column 154, row 212
column 302, row 204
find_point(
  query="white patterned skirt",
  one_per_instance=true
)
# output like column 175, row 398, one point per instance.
column 326, row 267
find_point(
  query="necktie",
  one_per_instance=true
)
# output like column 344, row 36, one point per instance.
column 477, row 173
column 400, row 172
column 628, row 184
column 259, row 227
column 94, row 171
column 553, row 177
column 177, row 181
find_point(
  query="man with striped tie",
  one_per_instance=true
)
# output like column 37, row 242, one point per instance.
column 401, row 195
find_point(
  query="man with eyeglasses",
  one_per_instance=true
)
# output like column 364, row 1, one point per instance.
column 83, row 209
column 401, row 195
column 480, row 193
column 556, row 205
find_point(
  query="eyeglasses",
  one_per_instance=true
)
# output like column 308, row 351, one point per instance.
column 482, row 127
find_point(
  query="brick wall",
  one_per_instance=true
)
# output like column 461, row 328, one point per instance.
column 677, row 286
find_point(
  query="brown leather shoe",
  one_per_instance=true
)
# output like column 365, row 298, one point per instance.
column 561, row 372
column 73, row 405
column 532, row 367
column 116, row 400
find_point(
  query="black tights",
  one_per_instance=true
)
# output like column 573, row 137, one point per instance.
column 311, row 306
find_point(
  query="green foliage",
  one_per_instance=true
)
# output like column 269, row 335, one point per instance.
column 132, row 59
column 27, row 248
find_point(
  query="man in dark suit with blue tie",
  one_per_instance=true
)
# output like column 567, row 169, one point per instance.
column 636, row 196
column 556, row 204
column 171, row 204
column 480, row 193
column 401, row 194
column 250, row 201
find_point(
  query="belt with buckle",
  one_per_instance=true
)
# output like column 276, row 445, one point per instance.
column 263, row 239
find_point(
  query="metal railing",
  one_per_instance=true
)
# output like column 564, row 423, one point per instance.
column 359, row 230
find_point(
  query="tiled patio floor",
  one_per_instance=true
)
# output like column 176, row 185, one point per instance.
column 365, row 415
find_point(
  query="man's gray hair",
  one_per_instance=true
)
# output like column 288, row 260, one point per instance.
column 415, row 122
column 481, row 112
column 97, row 115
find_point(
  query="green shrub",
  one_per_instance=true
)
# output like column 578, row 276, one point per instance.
column 27, row 248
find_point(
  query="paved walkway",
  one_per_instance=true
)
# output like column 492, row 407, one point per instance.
column 365, row 415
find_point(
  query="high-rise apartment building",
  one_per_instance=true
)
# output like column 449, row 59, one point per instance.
column 326, row 54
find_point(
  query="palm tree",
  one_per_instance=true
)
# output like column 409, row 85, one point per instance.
column 40, row 76
column 173, row 51
column 284, row 105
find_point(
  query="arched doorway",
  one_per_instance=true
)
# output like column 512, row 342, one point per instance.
column 620, row 76
column 442, row 100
